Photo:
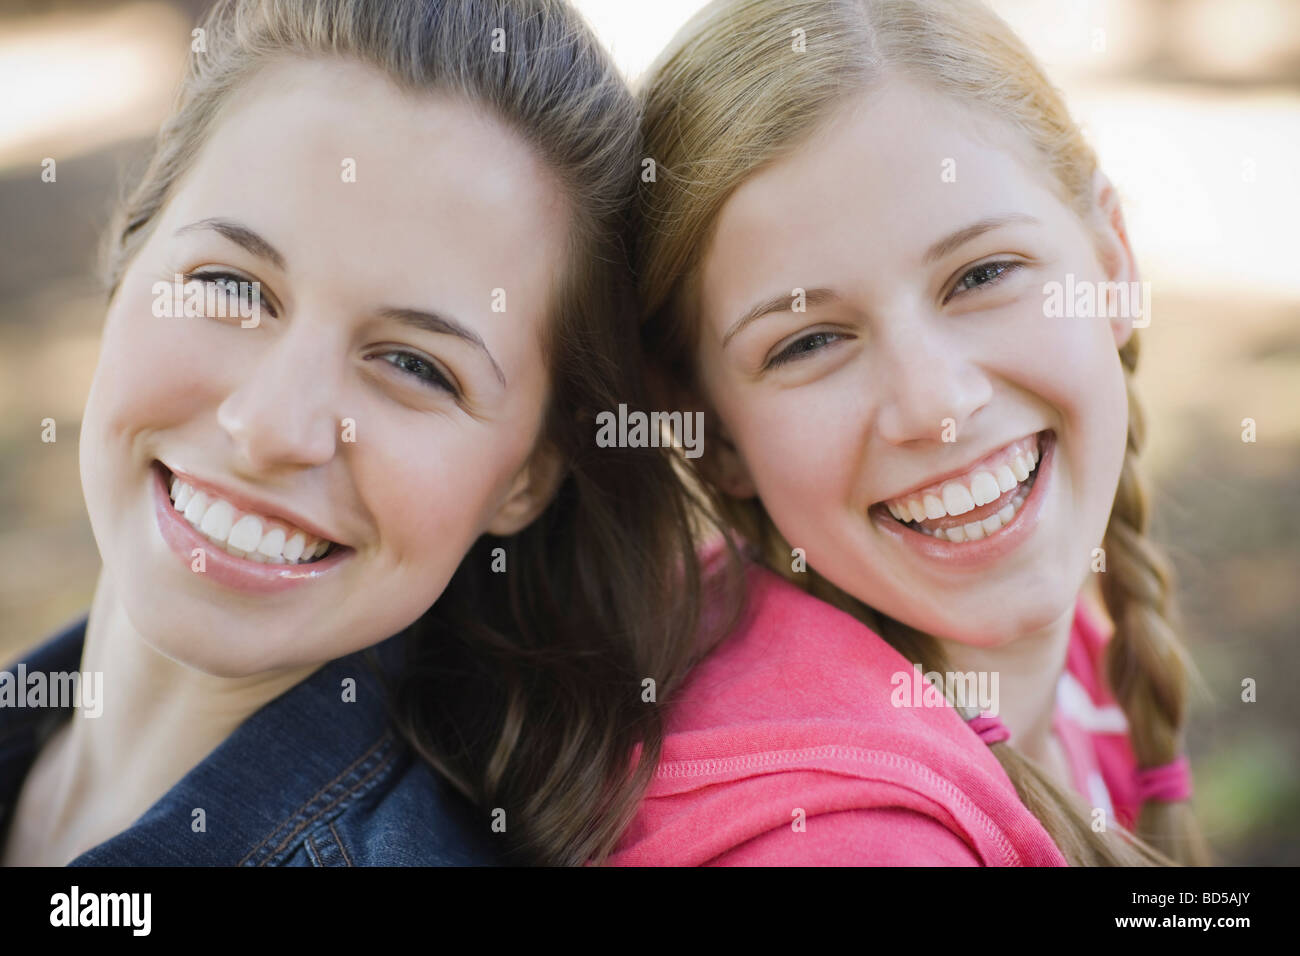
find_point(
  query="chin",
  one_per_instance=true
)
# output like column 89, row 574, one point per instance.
column 994, row 619
column 1011, row 619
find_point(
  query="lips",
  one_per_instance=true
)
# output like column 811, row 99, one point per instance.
column 952, row 547
column 227, row 569
column 975, row 502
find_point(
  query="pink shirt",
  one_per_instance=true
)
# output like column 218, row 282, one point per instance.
column 784, row 749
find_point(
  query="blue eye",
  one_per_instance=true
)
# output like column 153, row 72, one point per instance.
column 236, row 289
column 802, row 347
column 421, row 369
column 985, row 274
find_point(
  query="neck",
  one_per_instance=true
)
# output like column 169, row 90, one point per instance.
column 160, row 717
column 1027, row 668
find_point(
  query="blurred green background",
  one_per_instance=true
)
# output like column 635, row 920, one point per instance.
column 1194, row 107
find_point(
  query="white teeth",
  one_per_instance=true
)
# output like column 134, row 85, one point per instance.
column 975, row 530
column 194, row 510
column 957, row 499
column 217, row 520
column 272, row 544
column 1006, row 479
column 246, row 534
column 984, row 488
column 293, row 547
column 243, row 535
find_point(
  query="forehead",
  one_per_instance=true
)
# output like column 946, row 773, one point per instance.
column 339, row 168
column 891, row 171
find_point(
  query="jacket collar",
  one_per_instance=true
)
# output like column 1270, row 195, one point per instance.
column 302, row 756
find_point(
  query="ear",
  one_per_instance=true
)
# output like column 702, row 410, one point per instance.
column 722, row 465
column 531, row 491
column 1113, row 249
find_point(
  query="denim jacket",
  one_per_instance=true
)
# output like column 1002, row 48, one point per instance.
column 308, row 780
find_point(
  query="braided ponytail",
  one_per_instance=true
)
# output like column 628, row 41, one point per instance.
column 1147, row 666
column 1063, row 813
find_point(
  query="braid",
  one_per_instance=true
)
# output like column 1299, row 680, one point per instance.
column 1063, row 814
column 1147, row 666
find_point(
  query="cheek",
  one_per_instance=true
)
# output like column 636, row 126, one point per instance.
column 1070, row 368
column 431, row 484
column 422, row 501
column 1068, row 362
column 149, row 374
column 151, row 369
column 801, row 446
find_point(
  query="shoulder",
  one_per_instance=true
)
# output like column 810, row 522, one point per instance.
column 353, row 791
column 787, row 639
column 795, row 661
column 798, row 715
column 407, row 815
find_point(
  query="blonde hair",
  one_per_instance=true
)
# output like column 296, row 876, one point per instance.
column 730, row 96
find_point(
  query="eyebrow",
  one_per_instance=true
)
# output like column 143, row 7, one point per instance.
column 781, row 302
column 443, row 325
column 962, row 236
column 240, row 235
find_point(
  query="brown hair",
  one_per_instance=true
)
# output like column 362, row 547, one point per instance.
column 730, row 96
column 524, row 688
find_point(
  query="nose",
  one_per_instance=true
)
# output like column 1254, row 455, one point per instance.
column 930, row 378
column 282, row 412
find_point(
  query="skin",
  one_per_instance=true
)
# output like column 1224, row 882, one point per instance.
column 856, row 416
column 448, row 204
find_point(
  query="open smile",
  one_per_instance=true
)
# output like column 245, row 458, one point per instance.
column 978, row 514
column 243, row 550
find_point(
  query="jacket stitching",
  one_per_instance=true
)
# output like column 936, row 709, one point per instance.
column 338, row 841
column 319, row 795
column 314, row 851
column 387, row 761
column 355, row 769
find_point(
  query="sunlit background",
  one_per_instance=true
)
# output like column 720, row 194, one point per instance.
column 1194, row 107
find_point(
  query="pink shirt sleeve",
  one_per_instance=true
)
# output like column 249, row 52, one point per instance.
column 879, row 836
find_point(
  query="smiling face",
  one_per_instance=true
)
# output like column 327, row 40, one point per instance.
column 924, row 303
column 377, row 306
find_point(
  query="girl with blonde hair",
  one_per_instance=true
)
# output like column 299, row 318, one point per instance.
column 859, row 214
